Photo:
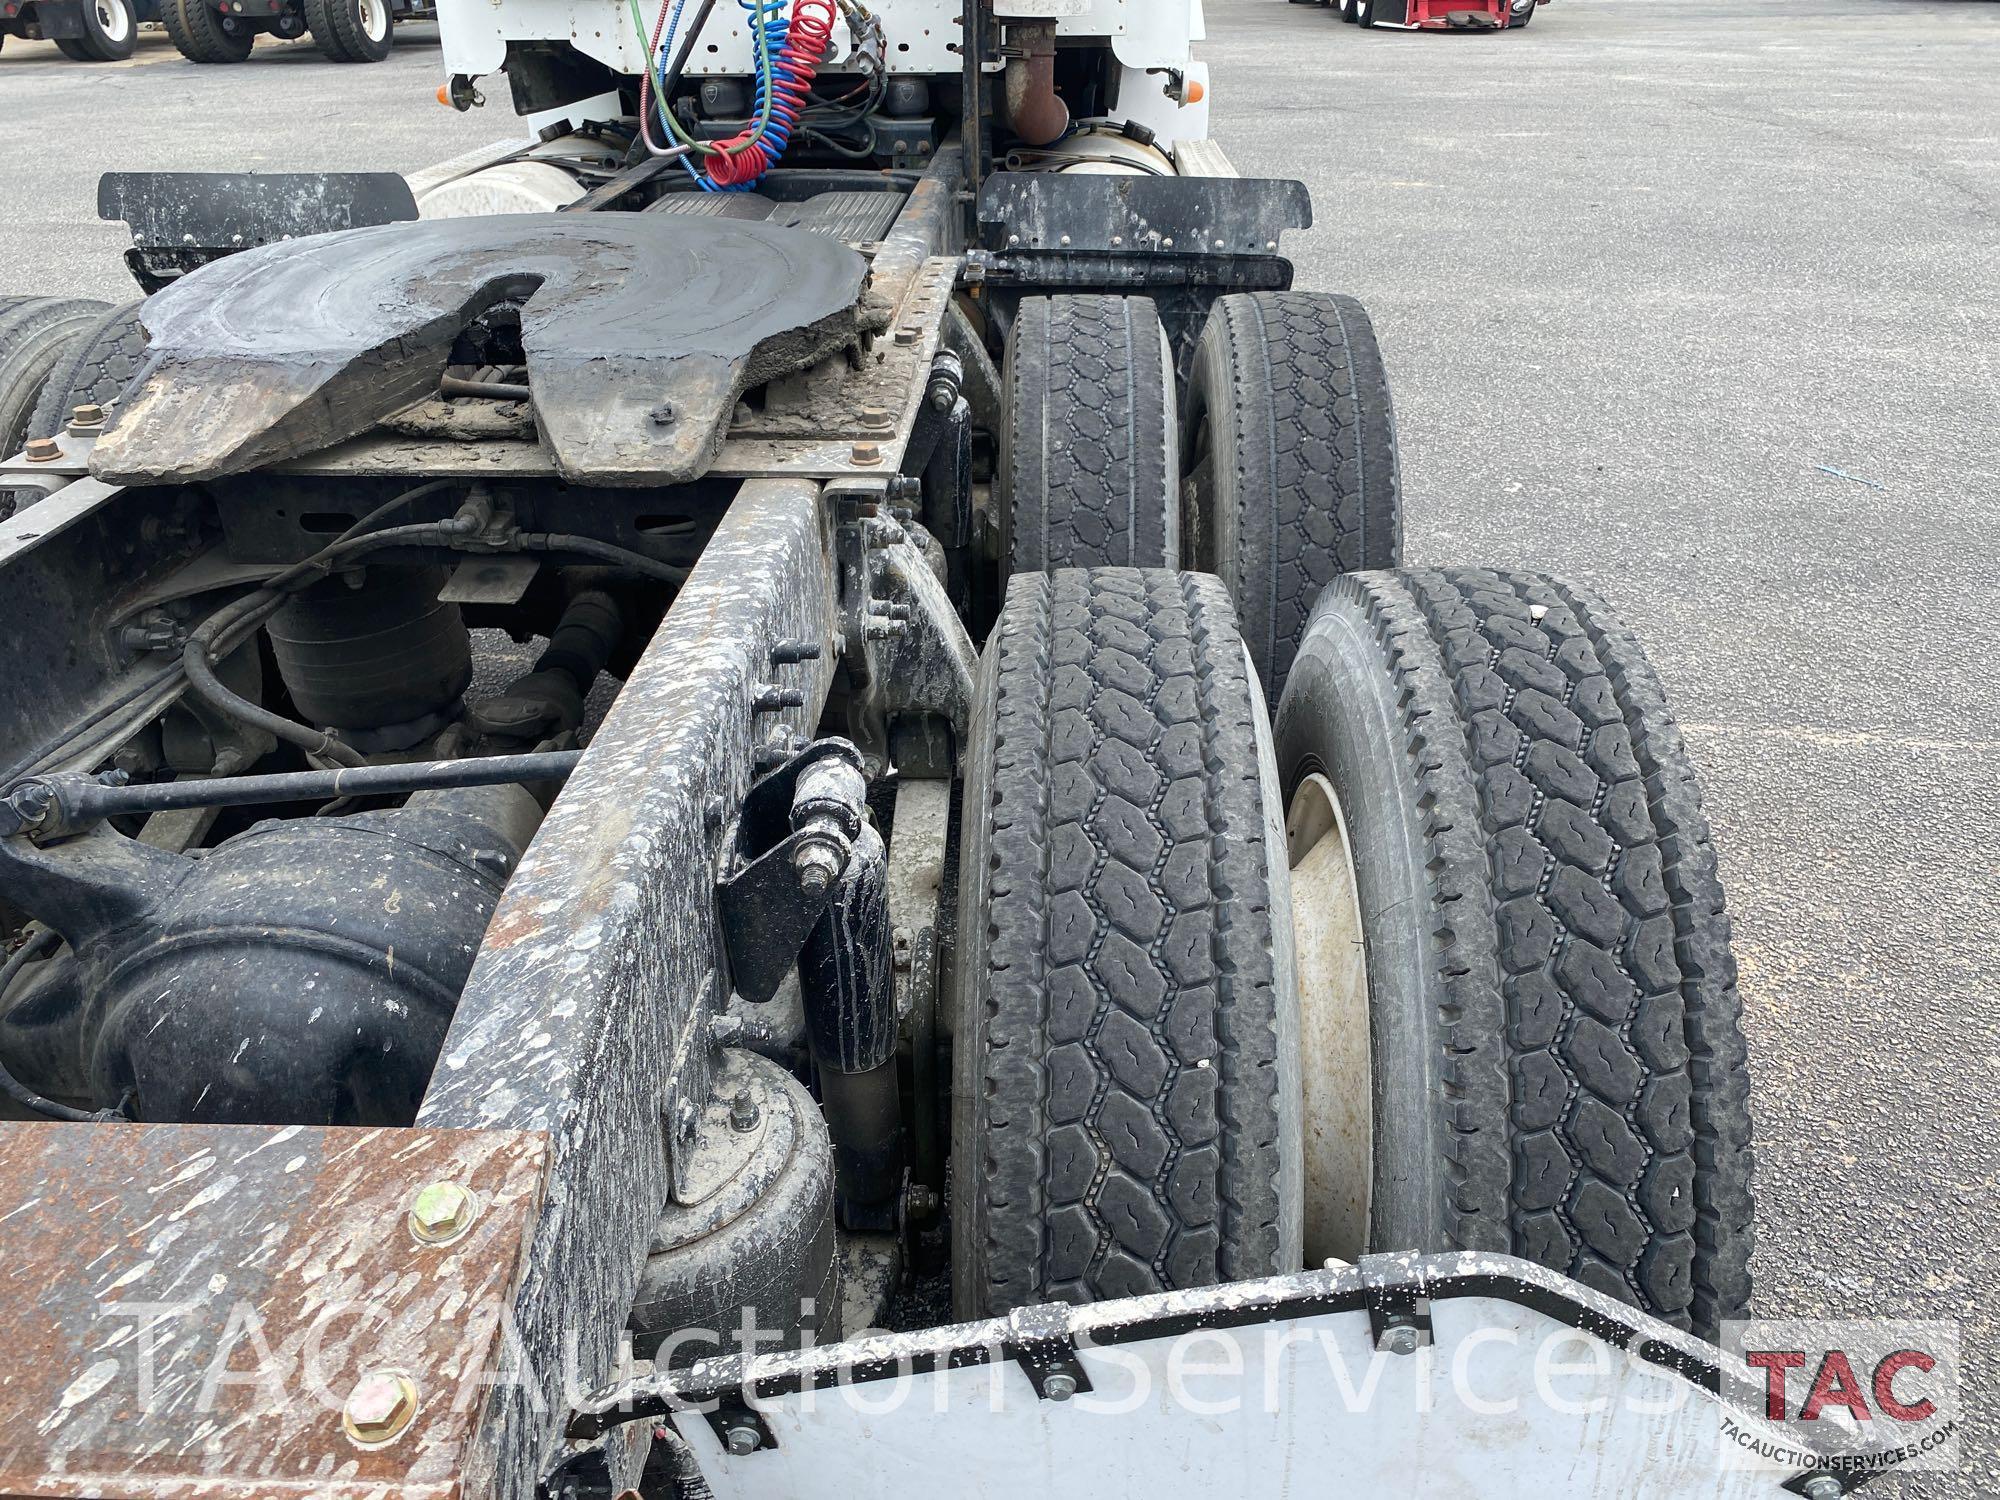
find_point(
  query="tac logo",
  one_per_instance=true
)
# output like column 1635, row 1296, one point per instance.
column 1845, row 1397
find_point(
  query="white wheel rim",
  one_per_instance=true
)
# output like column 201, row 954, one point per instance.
column 375, row 19
column 1334, row 1048
column 113, row 19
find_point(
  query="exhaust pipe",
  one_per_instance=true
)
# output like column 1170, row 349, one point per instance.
column 1034, row 112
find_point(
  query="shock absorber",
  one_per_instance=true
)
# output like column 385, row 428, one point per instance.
column 796, row 49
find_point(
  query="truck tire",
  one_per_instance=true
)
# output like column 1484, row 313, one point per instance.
column 1089, row 473
column 1126, row 1109
column 352, row 30
column 110, row 32
column 1290, row 442
column 1347, row 11
column 1558, row 1061
column 96, row 366
column 202, row 34
column 35, row 332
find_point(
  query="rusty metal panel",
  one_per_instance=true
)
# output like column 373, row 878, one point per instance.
column 188, row 1308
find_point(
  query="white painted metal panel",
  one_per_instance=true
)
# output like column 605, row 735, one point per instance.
column 1300, row 1419
column 920, row 33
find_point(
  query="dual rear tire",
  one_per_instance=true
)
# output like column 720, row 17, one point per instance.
column 356, row 31
column 1550, row 1056
column 203, row 34
column 344, row 30
column 1510, row 1023
column 1275, row 468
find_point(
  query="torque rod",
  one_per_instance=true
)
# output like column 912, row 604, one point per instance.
column 77, row 800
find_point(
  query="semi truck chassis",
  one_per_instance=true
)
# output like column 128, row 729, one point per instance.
column 762, row 459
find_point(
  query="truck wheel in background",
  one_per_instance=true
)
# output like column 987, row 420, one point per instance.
column 202, row 34
column 110, row 28
column 1289, row 443
column 1126, row 1114
column 352, row 30
column 1089, row 470
column 1347, row 10
column 1364, row 12
column 1553, row 1030
column 1521, row 15
column 95, row 367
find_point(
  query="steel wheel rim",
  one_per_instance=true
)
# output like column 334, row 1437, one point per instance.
column 375, row 19
column 1336, row 1054
column 113, row 19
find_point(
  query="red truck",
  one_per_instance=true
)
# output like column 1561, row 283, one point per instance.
column 1440, row 15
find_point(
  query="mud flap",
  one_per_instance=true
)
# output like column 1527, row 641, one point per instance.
column 181, row 220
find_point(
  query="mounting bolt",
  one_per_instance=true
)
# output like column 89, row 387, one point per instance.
column 1822, row 1487
column 878, row 417
column 788, row 653
column 866, row 454
column 919, row 1201
column 817, row 864
column 906, row 335
column 1400, row 1339
column 26, row 806
column 1059, row 1387
column 43, row 450
column 85, row 415
column 379, row 1407
column 662, row 415
column 740, row 1438
column 441, row 1212
column 770, row 698
column 742, row 1112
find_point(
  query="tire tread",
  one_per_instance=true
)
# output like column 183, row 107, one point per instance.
column 1119, row 1057
column 1090, row 466
column 1596, row 1106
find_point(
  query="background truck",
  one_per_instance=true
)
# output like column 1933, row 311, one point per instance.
column 1436, row 15
column 798, row 699
column 83, row 30
column 212, row 31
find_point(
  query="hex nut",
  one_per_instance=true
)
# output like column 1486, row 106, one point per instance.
column 1401, row 1339
column 867, row 454
column 876, row 417
column 1823, row 1487
column 441, row 1212
column 740, row 1438
column 379, row 1408
column 86, row 414
column 43, row 450
column 1059, row 1386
